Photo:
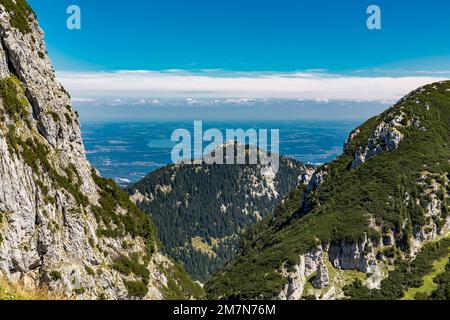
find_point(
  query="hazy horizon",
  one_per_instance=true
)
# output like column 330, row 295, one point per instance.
column 122, row 58
column 240, row 110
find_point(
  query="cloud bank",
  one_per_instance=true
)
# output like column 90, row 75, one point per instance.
column 317, row 85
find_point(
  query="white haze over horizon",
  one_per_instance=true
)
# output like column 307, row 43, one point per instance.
column 316, row 94
column 217, row 84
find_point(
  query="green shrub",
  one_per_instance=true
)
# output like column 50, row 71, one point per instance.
column 407, row 274
column 420, row 296
column 126, row 266
column 135, row 222
column 19, row 11
column 79, row 290
column 69, row 120
column 136, row 289
column 180, row 286
column 54, row 116
column 442, row 292
column 10, row 92
column 89, row 270
column 55, row 275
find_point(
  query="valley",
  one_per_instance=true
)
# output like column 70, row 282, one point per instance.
column 367, row 218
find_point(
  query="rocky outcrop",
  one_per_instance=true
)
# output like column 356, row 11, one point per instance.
column 25, row 55
column 350, row 138
column 353, row 256
column 316, row 180
column 386, row 137
column 312, row 267
column 321, row 280
column 306, row 176
column 309, row 263
column 432, row 201
column 54, row 209
column 296, row 282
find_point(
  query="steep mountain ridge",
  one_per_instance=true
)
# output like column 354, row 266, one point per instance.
column 361, row 217
column 201, row 210
column 62, row 226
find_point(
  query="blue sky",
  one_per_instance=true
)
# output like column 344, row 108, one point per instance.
column 225, row 52
column 282, row 35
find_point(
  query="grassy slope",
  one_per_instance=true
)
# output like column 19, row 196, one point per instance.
column 407, row 274
column 343, row 203
column 428, row 284
column 9, row 291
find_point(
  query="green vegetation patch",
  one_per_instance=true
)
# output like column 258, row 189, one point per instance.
column 35, row 155
column 429, row 285
column 127, row 266
column 12, row 94
column 442, row 292
column 136, row 288
column 407, row 274
column 55, row 275
column 54, row 116
column 19, row 11
column 133, row 222
column 180, row 286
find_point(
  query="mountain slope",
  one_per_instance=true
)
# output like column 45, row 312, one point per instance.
column 360, row 216
column 62, row 227
column 201, row 210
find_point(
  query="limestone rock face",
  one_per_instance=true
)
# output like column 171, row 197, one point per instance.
column 352, row 256
column 50, row 221
column 310, row 263
column 306, row 177
column 296, row 282
column 322, row 279
column 26, row 55
column 316, row 180
column 386, row 136
column 312, row 267
column 352, row 136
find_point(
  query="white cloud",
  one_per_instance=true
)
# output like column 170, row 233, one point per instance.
column 140, row 102
column 309, row 85
column 75, row 99
column 117, row 102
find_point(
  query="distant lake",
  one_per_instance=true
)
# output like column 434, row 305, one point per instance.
column 127, row 151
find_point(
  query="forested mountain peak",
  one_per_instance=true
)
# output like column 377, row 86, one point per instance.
column 202, row 209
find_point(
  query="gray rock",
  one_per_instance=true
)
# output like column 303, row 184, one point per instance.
column 353, row 256
column 386, row 137
column 321, row 280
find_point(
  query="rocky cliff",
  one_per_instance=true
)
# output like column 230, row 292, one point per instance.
column 62, row 226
